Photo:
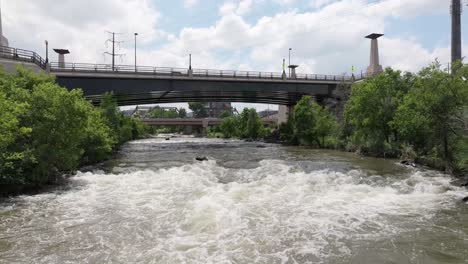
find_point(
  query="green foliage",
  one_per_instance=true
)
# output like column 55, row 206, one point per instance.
column 47, row 130
column 225, row 114
column 371, row 109
column 421, row 116
column 123, row 128
column 432, row 116
column 182, row 113
column 246, row 125
column 229, row 127
column 312, row 124
column 159, row 112
column 198, row 110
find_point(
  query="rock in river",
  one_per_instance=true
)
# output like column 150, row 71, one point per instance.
column 201, row 158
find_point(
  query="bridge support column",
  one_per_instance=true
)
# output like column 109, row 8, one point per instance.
column 205, row 123
column 188, row 130
column 283, row 113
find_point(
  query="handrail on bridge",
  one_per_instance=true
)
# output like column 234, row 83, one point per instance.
column 22, row 55
column 33, row 57
column 185, row 72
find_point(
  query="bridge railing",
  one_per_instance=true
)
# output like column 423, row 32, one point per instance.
column 184, row 72
column 22, row 55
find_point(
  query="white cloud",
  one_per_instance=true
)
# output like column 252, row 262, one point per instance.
column 327, row 40
column 236, row 7
column 78, row 25
column 190, row 3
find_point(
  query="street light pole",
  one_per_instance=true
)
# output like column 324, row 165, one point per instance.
column 136, row 34
column 47, row 52
column 190, row 61
column 289, row 62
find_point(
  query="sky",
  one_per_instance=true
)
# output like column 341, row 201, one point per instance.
column 326, row 36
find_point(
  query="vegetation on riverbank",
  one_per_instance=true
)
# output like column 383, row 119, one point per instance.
column 421, row 117
column 246, row 125
column 47, row 130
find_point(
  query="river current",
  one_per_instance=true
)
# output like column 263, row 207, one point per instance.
column 249, row 203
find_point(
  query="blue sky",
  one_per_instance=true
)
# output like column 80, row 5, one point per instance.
column 327, row 36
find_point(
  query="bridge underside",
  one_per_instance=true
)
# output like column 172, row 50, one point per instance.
column 134, row 91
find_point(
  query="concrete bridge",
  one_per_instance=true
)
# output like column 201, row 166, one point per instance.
column 146, row 84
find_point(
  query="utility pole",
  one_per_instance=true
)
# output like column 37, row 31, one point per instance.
column 455, row 11
column 289, row 62
column 113, row 49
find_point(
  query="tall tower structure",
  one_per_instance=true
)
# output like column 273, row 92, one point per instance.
column 3, row 39
column 455, row 10
column 374, row 67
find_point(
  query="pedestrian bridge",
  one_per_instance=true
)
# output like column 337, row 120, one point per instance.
column 148, row 84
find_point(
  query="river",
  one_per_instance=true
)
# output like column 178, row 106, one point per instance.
column 249, row 203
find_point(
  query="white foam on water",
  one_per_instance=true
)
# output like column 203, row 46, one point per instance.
column 270, row 214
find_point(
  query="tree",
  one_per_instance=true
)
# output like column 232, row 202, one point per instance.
column 372, row 106
column 198, row 110
column 254, row 126
column 47, row 130
column 326, row 124
column 229, row 127
column 158, row 112
column 432, row 113
column 182, row 113
column 312, row 123
column 303, row 121
column 225, row 114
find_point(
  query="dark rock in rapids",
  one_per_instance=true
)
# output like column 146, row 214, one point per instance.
column 201, row 158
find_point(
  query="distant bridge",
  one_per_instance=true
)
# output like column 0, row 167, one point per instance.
column 146, row 84
column 200, row 122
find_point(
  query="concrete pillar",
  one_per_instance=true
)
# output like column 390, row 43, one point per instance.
column 293, row 71
column 374, row 65
column 61, row 57
column 61, row 60
column 283, row 113
column 188, row 130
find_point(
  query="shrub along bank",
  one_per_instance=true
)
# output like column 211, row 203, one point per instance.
column 421, row 117
column 47, row 130
column 246, row 125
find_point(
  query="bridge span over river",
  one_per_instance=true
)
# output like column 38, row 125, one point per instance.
column 147, row 84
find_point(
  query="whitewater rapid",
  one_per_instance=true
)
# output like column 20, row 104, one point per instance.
column 278, row 211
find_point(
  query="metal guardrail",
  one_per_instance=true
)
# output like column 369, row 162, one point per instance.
column 185, row 72
column 30, row 56
column 22, row 55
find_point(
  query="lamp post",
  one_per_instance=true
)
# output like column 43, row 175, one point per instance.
column 290, row 61
column 47, row 52
column 136, row 34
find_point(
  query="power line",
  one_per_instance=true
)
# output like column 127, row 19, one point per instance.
column 113, row 54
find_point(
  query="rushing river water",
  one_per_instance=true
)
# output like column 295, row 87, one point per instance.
column 248, row 204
